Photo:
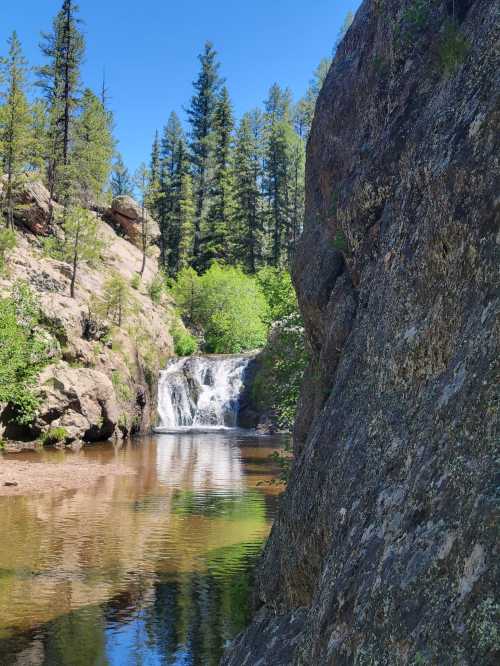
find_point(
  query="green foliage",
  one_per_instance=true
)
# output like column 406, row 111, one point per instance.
column 215, row 230
column 121, row 386
column 121, row 181
column 23, row 352
column 157, row 287
column 15, row 125
column 453, row 48
column 54, row 436
column 92, row 149
column 185, row 344
column 59, row 79
column 227, row 305
column 117, row 299
column 277, row 384
column 135, row 282
column 7, row 244
column 277, row 287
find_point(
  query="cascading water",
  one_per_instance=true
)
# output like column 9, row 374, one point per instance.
column 201, row 392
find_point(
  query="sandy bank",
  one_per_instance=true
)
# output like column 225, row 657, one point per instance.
column 43, row 477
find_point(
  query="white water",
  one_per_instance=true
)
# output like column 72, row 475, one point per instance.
column 201, row 392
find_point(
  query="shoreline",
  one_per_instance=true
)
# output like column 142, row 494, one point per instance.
column 36, row 478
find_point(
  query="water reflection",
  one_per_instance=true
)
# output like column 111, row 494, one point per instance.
column 152, row 569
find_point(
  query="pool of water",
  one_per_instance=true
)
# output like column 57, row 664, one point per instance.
column 142, row 570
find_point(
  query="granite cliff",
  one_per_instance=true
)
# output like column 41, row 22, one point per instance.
column 383, row 552
column 100, row 381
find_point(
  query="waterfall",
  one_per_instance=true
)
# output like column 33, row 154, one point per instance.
column 201, row 392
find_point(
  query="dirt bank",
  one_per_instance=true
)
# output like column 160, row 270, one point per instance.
column 42, row 477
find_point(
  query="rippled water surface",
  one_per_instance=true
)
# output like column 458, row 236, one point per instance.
column 140, row 570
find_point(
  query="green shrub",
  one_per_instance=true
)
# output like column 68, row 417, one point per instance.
column 185, row 344
column 23, row 352
column 120, row 384
column 7, row 244
column 54, row 436
column 276, row 285
column 224, row 303
column 135, row 282
column 453, row 48
column 156, row 287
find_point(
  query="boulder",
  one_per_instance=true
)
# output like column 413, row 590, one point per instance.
column 126, row 214
column 80, row 400
column 33, row 207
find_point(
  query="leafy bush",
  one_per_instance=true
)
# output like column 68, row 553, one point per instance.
column 185, row 344
column 135, row 282
column 7, row 244
column 226, row 305
column 156, row 287
column 279, row 293
column 278, row 381
column 23, row 352
column 54, row 436
column 122, row 389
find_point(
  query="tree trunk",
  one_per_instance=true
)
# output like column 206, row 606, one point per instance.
column 75, row 262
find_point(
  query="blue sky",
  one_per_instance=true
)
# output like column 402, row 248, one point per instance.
column 149, row 50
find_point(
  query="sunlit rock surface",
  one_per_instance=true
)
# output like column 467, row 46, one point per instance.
column 386, row 536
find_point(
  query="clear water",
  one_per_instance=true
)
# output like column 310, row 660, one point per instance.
column 138, row 570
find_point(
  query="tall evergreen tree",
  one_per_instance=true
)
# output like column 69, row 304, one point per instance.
column 92, row 150
column 154, row 169
column 276, row 179
column 173, row 162
column 60, row 80
column 217, row 225
column 15, row 125
column 121, row 181
column 185, row 211
column 201, row 115
column 246, row 236
column 304, row 111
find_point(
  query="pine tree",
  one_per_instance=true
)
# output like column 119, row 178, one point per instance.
column 304, row 111
column 121, row 181
column 277, row 169
column 186, row 213
column 143, row 182
column 93, row 149
column 15, row 125
column 60, row 80
column 201, row 114
column 173, row 162
column 216, row 228
column 296, row 159
column 81, row 239
column 246, row 235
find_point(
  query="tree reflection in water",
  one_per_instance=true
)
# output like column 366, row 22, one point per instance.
column 152, row 569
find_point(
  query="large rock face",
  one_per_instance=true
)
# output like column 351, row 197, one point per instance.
column 102, row 378
column 386, row 536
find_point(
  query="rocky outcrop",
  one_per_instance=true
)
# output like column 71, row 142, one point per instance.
column 384, row 547
column 126, row 214
column 34, row 208
column 81, row 401
column 101, row 380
